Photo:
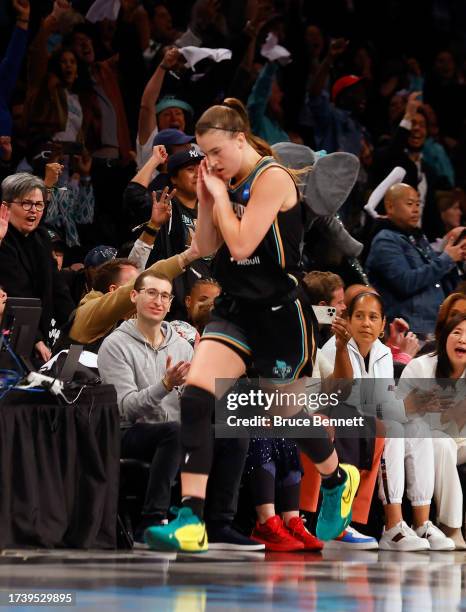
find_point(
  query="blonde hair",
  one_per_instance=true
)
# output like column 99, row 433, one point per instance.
column 232, row 116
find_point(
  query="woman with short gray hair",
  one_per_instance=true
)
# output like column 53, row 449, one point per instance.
column 16, row 186
column 27, row 268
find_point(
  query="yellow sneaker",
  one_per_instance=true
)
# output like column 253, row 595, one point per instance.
column 335, row 512
column 186, row 533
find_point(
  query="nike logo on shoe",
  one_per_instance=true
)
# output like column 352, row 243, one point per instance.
column 274, row 308
column 202, row 542
column 186, row 457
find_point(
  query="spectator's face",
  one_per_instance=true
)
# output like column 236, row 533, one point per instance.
column 354, row 99
column 444, row 65
column 172, row 117
column 456, row 346
column 366, row 321
column 224, row 152
column 417, row 136
column 83, row 48
column 3, row 298
column 200, row 303
column 314, row 40
column 68, row 67
column 153, row 300
column 451, row 217
column 458, row 308
column 404, row 211
column 162, row 25
column 338, row 301
column 185, row 180
column 26, row 221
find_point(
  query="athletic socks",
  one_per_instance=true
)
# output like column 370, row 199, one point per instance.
column 195, row 503
column 330, row 481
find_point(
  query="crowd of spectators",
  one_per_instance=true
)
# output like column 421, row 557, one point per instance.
column 98, row 172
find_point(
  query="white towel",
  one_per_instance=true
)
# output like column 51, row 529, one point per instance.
column 103, row 9
column 274, row 52
column 193, row 55
column 396, row 176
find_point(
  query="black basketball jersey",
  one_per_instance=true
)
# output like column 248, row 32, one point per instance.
column 263, row 277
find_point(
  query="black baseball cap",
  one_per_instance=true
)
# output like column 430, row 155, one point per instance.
column 183, row 158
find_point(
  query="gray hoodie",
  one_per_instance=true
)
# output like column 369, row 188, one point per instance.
column 127, row 361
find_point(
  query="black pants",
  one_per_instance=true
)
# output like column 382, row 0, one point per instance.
column 224, row 480
column 159, row 445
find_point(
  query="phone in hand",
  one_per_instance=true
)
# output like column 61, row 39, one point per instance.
column 460, row 238
column 325, row 315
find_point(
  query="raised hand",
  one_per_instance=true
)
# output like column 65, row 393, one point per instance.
column 337, row 47
column 159, row 154
column 52, row 173
column 60, row 8
column 171, row 58
column 22, row 9
column 212, row 183
column 409, row 344
column 4, row 218
column 342, row 332
column 6, row 150
column 413, row 104
column 175, row 376
column 161, row 208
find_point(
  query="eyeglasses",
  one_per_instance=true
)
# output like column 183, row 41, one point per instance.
column 154, row 294
column 28, row 205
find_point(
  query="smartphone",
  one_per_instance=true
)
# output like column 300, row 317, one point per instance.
column 325, row 315
column 460, row 238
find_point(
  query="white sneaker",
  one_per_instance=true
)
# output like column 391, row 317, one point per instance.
column 351, row 539
column 437, row 539
column 402, row 538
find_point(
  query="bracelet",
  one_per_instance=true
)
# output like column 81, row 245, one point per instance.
column 164, row 67
column 166, row 385
column 22, row 20
column 85, row 179
column 151, row 230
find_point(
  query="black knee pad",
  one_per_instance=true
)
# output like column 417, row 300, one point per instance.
column 197, row 408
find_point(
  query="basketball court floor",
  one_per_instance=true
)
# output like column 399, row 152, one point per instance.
column 145, row 581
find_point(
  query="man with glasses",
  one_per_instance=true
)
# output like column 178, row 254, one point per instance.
column 147, row 362
column 27, row 268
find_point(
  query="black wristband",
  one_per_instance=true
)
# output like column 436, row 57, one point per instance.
column 150, row 230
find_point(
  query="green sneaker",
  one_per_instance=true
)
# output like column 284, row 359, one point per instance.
column 186, row 533
column 335, row 511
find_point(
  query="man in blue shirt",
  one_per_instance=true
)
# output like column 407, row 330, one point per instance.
column 412, row 279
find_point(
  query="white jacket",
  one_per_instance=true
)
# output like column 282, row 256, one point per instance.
column 424, row 367
column 376, row 398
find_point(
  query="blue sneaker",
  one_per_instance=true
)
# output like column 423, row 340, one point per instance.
column 351, row 539
column 186, row 533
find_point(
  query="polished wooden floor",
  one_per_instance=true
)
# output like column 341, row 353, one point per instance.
column 333, row 580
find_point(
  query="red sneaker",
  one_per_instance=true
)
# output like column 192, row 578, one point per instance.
column 275, row 536
column 298, row 530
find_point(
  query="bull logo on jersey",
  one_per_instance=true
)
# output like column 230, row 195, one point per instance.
column 281, row 369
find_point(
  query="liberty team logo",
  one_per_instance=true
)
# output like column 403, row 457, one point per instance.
column 281, row 369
